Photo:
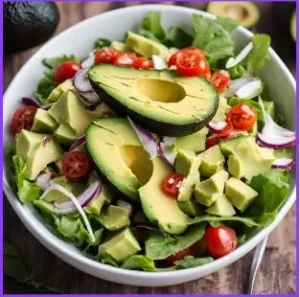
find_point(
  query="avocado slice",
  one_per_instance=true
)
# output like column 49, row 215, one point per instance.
column 37, row 150
column 43, row 122
column 245, row 13
column 159, row 207
column 120, row 247
column 239, row 193
column 161, row 100
column 293, row 25
column 129, row 166
column 145, row 46
column 62, row 88
column 222, row 207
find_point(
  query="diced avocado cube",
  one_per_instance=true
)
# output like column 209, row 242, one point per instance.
column 183, row 162
column 222, row 207
column 60, row 90
column 209, row 191
column 212, row 160
column 116, row 218
column 239, row 193
column 43, row 122
column 145, row 46
column 64, row 134
column 194, row 142
column 228, row 146
column 103, row 110
column 105, row 197
column 118, row 46
column 120, row 247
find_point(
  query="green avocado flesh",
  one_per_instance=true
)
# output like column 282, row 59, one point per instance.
column 161, row 100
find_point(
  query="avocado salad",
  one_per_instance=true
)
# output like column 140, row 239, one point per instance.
column 159, row 152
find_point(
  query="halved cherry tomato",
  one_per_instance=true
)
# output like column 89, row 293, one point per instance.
column 23, row 119
column 225, row 131
column 106, row 55
column 65, row 71
column 211, row 141
column 220, row 241
column 142, row 63
column 76, row 165
column 242, row 116
column 126, row 59
column 171, row 184
column 192, row 63
column 173, row 58
column 220, row 79
column 178, row 256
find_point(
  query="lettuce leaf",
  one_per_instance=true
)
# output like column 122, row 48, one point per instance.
column 176, row 37
column 160, row 246
column 27, row 191
column 101, row 42
column 151, row 26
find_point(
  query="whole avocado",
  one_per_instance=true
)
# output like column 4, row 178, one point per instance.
column 28, row 24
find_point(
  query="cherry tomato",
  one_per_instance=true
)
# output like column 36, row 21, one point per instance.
column 192, row 63
column 76, row 165
column 126, row 59
column 220, row 80
column 242, row 116
column 23, row 119
column 220, row 241
column 178, row 256
column 65, row 71
column 171, row 184
column 212, row 140
column 106, row 55
column 173, row 58
column 225, row 131
column 142, row 63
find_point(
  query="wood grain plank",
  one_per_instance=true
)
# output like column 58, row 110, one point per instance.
column 277, row 272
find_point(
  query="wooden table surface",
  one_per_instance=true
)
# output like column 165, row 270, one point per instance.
column 276, row 274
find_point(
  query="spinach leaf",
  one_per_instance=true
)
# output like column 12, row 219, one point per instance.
column 101, row 42
column 160, row 246
column 151, row 26
column 190, row 261
column 176, row 37
column 139, row 262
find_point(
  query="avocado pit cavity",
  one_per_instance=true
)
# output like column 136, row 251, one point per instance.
column 160, row 90
column 137, row 159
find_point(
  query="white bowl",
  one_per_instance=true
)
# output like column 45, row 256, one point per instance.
column 79, row 40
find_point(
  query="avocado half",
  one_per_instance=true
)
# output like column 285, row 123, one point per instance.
column 245, row 13
column 293, row 25
column 161, row 100
column 27, row 24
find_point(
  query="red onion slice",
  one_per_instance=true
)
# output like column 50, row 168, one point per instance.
column 167, row 153
column 146, row 138
column 30, row 102
column 88, row 61
column 283, row 163
column 89, row 98
column 81, row 81
column 236, row 85
column 275, row 136
column 44, row 180
column 217, row 126
column 77, row 143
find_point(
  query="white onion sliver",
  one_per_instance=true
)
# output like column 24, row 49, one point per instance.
column 158, row 62
column 283, row 162
column 76, row 203
column 240, row 57
column 81, row 81
column 169, row 141
column 88, row 61
column 217, row 126
column 146, row 138
column 249, row 89
column 43, row 180
column 167, row 153
column 237, row 84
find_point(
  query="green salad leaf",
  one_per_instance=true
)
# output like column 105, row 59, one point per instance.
column 47, row 83
column 273, row 189
column 151, row 26
column 236, row 71
column 27, row 191
column 160, row 246
column 177, row 37
column 260, row 52
column 213, row 36
column 139, row 262
column 190, row 261
column 101, row 42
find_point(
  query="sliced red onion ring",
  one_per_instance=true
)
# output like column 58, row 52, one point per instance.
column 88, row 61
column 30, row 101
column 240, row 57
column 217, row 126
column 89, row 98
column 146, row 138
column 158, row 62
column 80, row 140
column 47, row 106
column 81, row 81
column 77, row 203
column 46, row 140
column 44, row 180
column 275, row 136
column 169, row 141
column 125, row 205
column 283, row 163
column 167, row 153
column 236, row 85
column 250, row 90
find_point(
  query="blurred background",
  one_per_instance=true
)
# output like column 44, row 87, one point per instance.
column 23, row 37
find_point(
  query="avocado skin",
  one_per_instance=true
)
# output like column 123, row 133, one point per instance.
column 165, row 129
column 28, row 24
